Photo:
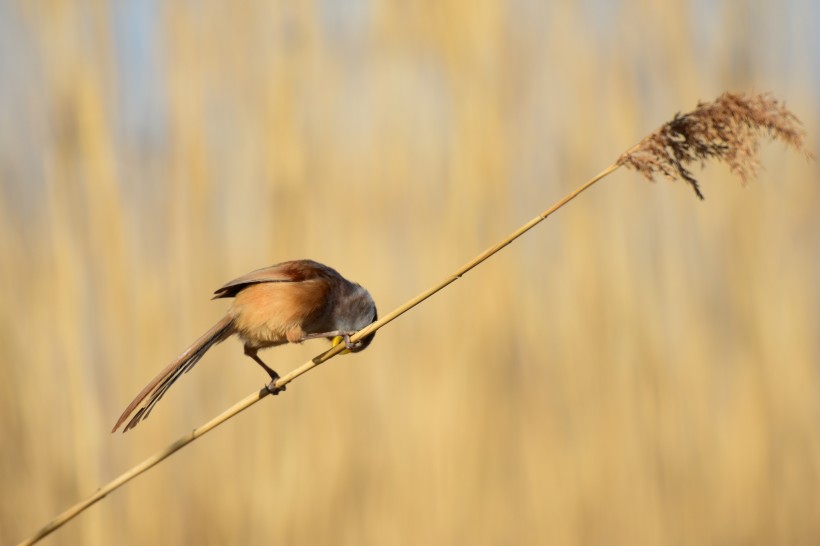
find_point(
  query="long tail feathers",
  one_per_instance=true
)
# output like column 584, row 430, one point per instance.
column 154, row 390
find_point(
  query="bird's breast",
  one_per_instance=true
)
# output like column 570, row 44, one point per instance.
column 264, row 314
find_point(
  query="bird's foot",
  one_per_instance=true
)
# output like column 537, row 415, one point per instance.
column 345, row 336
column 271, row 387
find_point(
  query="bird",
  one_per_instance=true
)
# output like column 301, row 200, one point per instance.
column 289, row 302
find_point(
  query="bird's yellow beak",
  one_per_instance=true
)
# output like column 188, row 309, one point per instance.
column 335, row 341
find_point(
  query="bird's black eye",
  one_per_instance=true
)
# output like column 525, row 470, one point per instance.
column 364, row 342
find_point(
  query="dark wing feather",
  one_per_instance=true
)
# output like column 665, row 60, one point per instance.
column 293, row 271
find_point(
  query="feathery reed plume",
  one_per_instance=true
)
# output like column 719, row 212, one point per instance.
column 728, row 130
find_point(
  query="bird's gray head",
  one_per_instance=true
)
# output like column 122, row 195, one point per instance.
column 362, row 313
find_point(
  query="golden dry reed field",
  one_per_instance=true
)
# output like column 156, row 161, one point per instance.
column 642, row 368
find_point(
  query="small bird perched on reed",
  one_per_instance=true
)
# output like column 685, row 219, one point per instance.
column 288, row 302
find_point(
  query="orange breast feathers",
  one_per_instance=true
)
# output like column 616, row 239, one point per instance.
column 272, row 313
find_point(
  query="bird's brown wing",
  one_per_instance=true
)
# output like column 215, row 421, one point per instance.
column 293, row 271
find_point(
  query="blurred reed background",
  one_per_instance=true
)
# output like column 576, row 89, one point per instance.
column 641, row 369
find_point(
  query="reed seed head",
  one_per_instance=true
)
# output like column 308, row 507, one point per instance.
column 727, row 129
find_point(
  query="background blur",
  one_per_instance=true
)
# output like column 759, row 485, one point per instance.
column 643, row 368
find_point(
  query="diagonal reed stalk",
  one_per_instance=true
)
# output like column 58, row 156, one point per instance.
column 728, row 130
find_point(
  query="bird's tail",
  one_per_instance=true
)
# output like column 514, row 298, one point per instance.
column 154, row 390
